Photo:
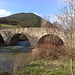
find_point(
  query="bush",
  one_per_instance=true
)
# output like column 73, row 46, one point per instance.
column 51, row 51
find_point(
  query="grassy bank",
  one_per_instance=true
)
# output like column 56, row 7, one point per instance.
column 46, row 67
column 52, row 60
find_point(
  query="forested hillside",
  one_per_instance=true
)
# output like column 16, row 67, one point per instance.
column 24, row 20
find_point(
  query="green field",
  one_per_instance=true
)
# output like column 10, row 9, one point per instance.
column 7, row 26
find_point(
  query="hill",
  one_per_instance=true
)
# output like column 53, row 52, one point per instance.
column 25, row 20
column 22, row 17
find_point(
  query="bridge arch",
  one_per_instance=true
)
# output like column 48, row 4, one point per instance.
column 2, row 42
column 51, row 38
column 19, row 37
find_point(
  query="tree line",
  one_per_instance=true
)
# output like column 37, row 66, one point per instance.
column 5, row 21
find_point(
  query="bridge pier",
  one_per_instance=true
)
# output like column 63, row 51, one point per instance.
column 7, row 43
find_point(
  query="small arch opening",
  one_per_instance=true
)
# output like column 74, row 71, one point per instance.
column 50, row 40
column 1, row 41
column 20, row 40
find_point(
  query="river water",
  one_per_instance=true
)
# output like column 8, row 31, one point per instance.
column 8, row 54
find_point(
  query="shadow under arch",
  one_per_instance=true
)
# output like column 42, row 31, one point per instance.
column 1, row 41
column 50, row 39
column 18, row 38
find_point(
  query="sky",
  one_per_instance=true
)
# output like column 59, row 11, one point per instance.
column 39, row 7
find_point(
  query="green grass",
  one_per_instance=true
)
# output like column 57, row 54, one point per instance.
column 7, row 26
column 43, row 67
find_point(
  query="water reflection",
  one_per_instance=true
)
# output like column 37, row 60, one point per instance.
column 24, row 43
column 14, row 49
column 8, row 54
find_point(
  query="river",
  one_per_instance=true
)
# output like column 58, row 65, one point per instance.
column 8, row 54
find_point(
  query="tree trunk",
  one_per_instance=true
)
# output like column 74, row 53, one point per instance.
column 71, row 63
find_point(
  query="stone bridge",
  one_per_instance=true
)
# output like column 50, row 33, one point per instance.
column 34, row 34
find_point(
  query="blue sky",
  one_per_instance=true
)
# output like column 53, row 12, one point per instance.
column 40, row 7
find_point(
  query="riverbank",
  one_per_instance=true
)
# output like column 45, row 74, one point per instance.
column 46, row 67
column 25, row 65
column 47, row 61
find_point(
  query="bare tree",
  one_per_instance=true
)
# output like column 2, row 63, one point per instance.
column 67, row 20
column 45, row 23
column 67, row 16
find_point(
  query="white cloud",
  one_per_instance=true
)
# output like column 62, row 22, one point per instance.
column 4, row 13
column 38, row 14
column 59, row 1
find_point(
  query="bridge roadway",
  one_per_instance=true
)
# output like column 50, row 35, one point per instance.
column 34, row 34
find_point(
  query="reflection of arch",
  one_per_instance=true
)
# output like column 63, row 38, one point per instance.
column 18, row 37
column 1, row 40
column 51, row 38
